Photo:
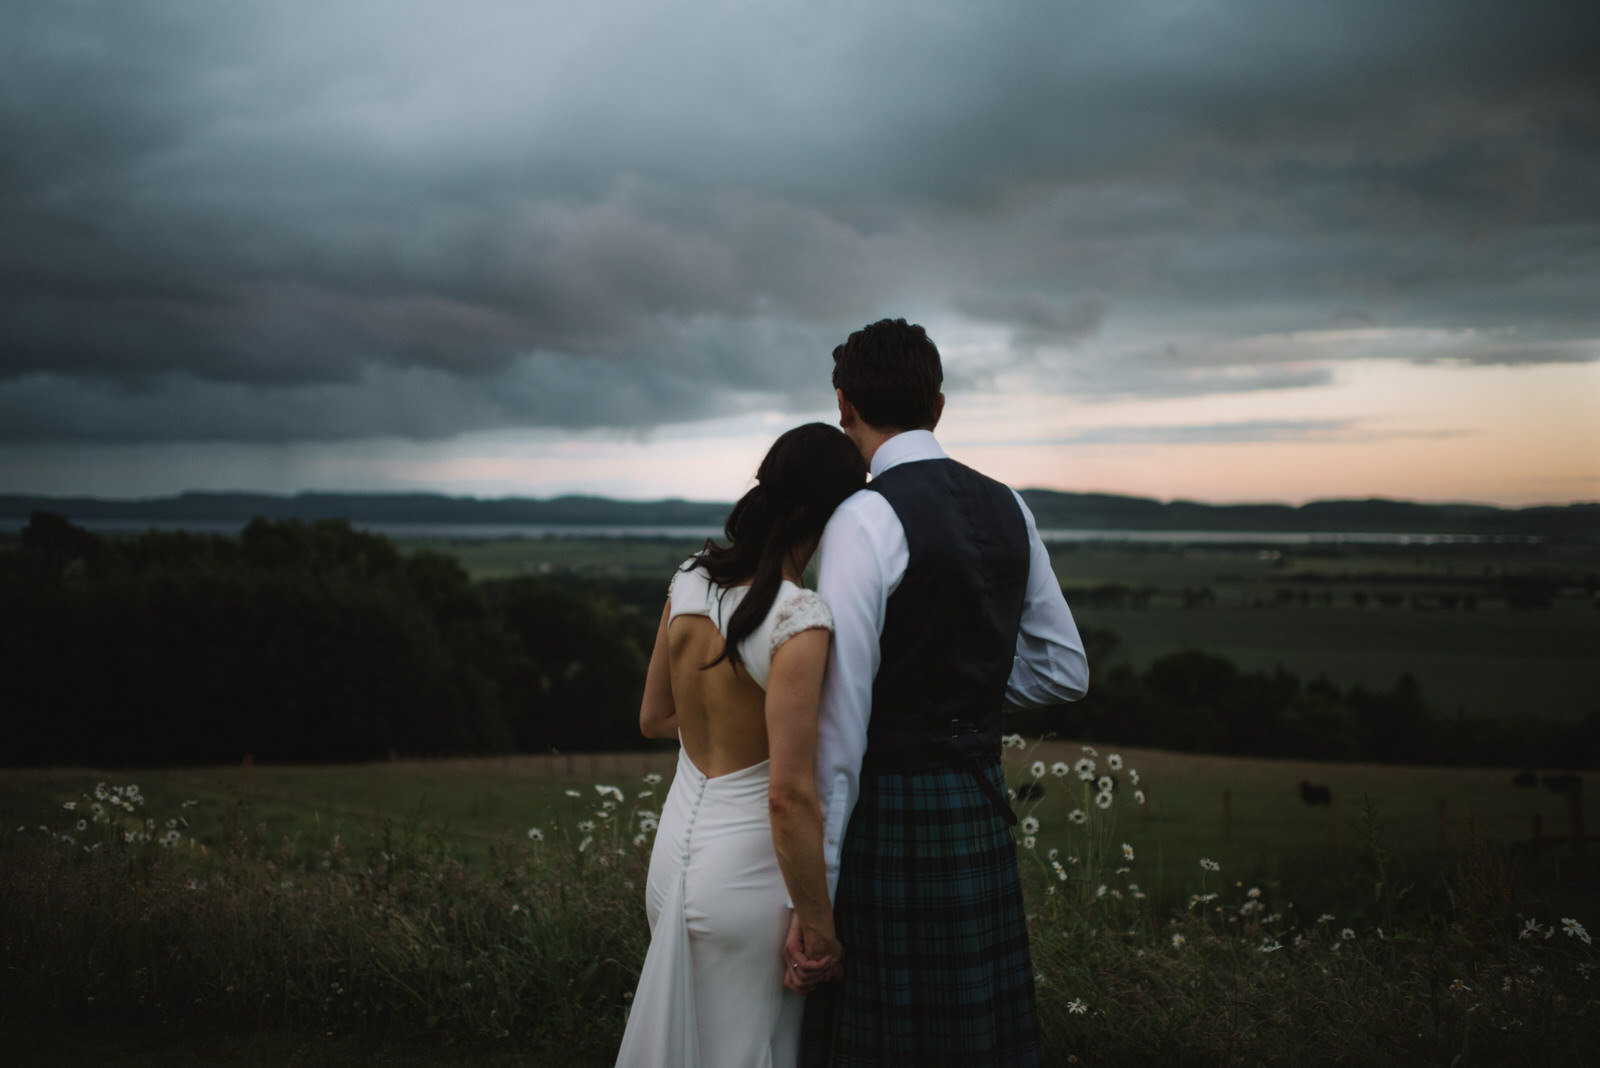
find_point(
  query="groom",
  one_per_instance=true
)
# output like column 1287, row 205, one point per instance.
column 945, row 610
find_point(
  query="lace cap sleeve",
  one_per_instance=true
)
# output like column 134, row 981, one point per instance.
column 806, row 610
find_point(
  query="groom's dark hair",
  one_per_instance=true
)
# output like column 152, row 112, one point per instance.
column 891, row 372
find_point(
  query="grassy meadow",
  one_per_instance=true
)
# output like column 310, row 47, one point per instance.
column 490, row 911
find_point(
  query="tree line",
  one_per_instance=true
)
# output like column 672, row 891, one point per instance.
column 317, row 642
column 1194, row 701
column 295, row 641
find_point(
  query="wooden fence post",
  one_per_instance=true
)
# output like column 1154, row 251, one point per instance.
column 1227, row 815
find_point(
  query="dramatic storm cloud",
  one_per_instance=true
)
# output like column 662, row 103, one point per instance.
column 302, row 222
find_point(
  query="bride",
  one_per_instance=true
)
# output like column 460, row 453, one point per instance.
column 736, row 675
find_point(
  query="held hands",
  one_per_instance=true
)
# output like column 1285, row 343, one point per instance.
column 811, row 957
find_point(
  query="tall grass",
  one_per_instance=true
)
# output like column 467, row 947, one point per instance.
column 112, row 916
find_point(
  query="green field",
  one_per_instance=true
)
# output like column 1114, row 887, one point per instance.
column 1491, row 661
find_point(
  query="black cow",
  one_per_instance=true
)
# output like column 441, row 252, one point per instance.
column 1312, row 794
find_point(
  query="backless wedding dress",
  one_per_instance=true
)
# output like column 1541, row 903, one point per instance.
column 711, row 990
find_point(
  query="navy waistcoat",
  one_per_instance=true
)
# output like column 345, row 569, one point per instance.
column 950, row 630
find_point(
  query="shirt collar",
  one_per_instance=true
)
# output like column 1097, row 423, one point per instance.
column 904, row 447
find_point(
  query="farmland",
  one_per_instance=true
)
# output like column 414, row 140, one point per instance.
column 1357, row 614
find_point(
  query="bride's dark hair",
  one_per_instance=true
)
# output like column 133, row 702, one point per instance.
column 806, row 474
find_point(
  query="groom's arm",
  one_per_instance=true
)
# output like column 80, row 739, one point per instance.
column 861, row 560
column 1050, row 666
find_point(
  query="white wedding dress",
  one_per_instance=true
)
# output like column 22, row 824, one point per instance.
column 711, row 990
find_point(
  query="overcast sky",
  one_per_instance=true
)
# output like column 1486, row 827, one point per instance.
column 1227, row 250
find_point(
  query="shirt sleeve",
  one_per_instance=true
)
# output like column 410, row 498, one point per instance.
column 861, row 560
column 1050, row 666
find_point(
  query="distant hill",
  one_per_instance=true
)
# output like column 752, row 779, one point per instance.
column 1098, row 511
column 1072, row 511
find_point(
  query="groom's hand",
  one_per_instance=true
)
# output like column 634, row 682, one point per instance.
column 802, row 973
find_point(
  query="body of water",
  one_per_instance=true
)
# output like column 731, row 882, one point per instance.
column 501, row 531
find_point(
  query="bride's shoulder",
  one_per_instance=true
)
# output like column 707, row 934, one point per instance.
column 686, row 571
column 798, row 610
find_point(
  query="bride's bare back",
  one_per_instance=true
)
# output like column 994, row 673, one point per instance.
column 721, row 711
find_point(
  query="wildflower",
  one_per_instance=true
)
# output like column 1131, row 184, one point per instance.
column 1138, row 795
column 100, row 793
column 1347, row 934
column 1115, row 761
column 604, row 814
column 1269, row 945
column 1253, row 892
column 535, row 834
column 648, row 824
column 1529, row 930
column 1102, row 799
column 70, row 805
column 1133, row 776
column 1077, row 1007
column 1059, row 769
column 653, row 779
column 642, row 794
column 1085, row 769
column 1013, row 741
column 1102, row 891
column 189, row 804
column 1077, row 815
column 608, row 791
column 608, row 804
column 1091, row 750
column 83, row 825
column 1178, row 941
column 1105, row 785
column 1030, row 825
column 586, row 843
column 640, row 839
column 170, row 839
column 1326, row 917
column 648, row 814
column 1127, row 851
column 1207, row 864
column 1574, row 929
column 1028, row 841
column 572, row 793
column 1037, row 769
column 1061, row 873
column 586, row 826
column 1458, row 987
column 1123, row 871
column 1053, row 854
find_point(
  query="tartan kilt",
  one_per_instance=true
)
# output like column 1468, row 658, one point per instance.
column 929, row 911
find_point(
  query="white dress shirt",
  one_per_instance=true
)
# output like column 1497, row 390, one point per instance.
column 861, row 560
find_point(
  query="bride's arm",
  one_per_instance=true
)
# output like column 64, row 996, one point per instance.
column 793, row 689
column 658, row 716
